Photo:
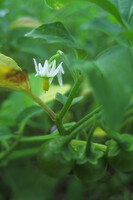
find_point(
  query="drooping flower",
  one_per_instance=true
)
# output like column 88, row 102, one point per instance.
column 48, row 73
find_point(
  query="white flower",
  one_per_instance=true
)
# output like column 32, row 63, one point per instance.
column 59, row 74
column 48, row 72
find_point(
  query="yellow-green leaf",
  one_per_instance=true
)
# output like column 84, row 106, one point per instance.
column 25, row 22
column 7, row 61
column 11, row 75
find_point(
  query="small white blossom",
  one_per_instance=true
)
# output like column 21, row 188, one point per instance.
column 49, row 72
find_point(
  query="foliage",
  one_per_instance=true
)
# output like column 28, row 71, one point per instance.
column 83, row 125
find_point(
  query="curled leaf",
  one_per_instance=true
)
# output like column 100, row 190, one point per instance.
column 11, row 75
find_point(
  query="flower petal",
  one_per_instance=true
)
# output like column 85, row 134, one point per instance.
column 57, row 70
column 40, row 68
column 50, row 80
column 36, row 67
column 62, row 70
column 53, row 68
column 59, row 77
column 45, row 71
column 36, row 75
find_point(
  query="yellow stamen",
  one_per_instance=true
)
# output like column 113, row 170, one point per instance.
column 45, row 84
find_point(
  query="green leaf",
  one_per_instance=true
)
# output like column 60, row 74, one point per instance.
column 105, row 4
column 62, row 99
column 104, row 26
column 119, row 34
column 76, row 100
column 28, row 113
column 109, row 7
column 125, row 8
column 53, row 33
column 111, row 77
column 5, row 133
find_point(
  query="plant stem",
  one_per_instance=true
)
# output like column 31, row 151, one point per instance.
column 54, row 57
column 38, row 138
column 69, row 99
column 60, row 127
column 84, row 119
column 55, row 134
column 88, row 145
column 43, row 105
column 98, row 146
column 33, row 151
column 81, row 127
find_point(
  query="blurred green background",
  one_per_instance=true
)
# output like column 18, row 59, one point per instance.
column 21, row 179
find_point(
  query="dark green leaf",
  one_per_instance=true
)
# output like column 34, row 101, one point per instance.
column 111, row 76
column 53, row 33
column 125, row 8
column 104, row 26
column 119, row 34
column 109, row 7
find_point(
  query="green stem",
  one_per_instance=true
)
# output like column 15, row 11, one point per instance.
column 55, row 134
column 43, row 105
column 84, row 134
column 88, row 146
column 68, row 138
column 98, row 146
column 69, row 99
column 33, row 151
column 84, row 119
column 52, row 58
column 60, row 127
column 57, row 55
column 41, row 138
column 81, row 127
